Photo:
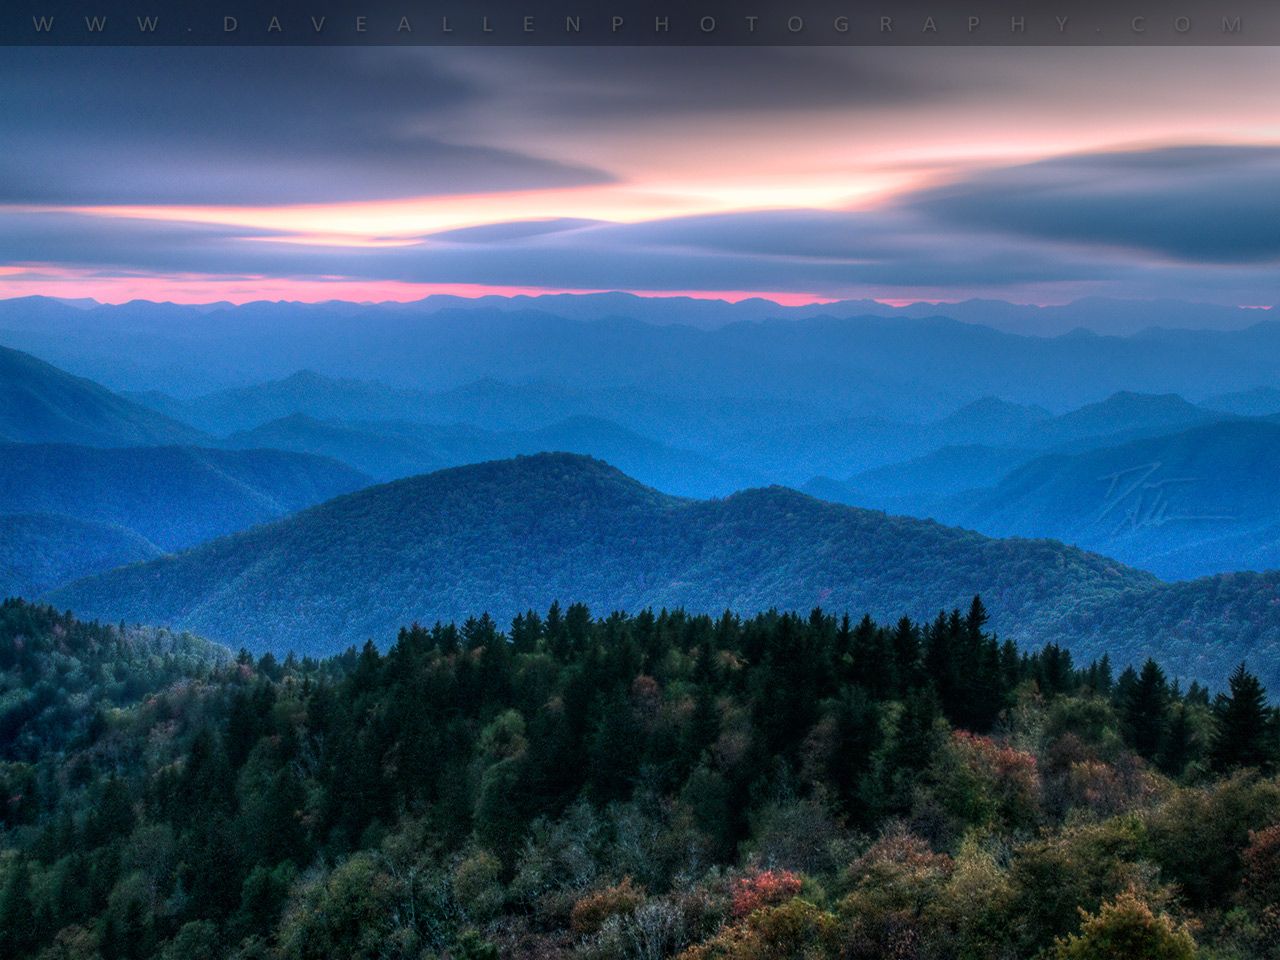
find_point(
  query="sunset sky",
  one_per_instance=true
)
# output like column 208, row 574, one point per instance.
column 801, row 174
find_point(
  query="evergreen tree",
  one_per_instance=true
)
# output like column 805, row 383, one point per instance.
column 1176, row 751
column 1145, row 710
column 1245, row 735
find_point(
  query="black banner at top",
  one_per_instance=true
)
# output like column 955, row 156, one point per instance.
column 643, row 22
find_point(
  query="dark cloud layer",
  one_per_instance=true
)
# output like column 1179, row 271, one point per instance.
column 298, row 125
column 1013, row 229
column 278, row 126
column 244, row 126
column 1210, row 204
column 599, row 83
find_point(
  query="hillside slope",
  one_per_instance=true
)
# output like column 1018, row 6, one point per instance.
column 1184, row 505
column 173, row 497
column 41, row 404
column 39, row 552
column 1123, row 416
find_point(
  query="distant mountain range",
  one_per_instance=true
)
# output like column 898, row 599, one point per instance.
column 910, row 465
column 1258, row 402
column 916, row 486
column 390, row 450
column 739, row 442
column 916, row 363
column 959, row 468
column 91, row 481
column 1124, row 416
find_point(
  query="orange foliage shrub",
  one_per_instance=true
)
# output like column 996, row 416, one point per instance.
column 983, row 780
column 763, row 889
column 1260, row 886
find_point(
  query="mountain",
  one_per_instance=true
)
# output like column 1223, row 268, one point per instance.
column 849, row 361
column 1183, row 505
column 305, row 392
column 492, row 404
column 853, row 446
column 172, row 497
column 655, row 464
column 39, row 552
column 915, row 486
column 989, row 420
column 1258, row 402
column 1123, row 416
column 390, row 450
column 509, row 535
column 41, row 404
column 1211, row 623
column 385, row 450
column 978, row 445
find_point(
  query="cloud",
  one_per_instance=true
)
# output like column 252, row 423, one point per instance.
column 799, row 250
column 258, row 126
column 1195, row 204
column 247, row 126
column 652, row 83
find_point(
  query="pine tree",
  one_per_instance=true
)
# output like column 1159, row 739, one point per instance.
column 1175, row 752
column 1145, row 710
column 1245, row 736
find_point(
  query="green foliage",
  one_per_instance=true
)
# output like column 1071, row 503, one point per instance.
column 1127, row 927
column 634, row 786
column 1247, row 726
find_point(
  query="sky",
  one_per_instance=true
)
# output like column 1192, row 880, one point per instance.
column 800, row 174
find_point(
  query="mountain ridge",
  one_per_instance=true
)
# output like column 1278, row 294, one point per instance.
column 515, row 534
column 40, row 403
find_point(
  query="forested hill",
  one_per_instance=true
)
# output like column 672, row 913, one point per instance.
column 174, row 497
column 41, row 404
column 41, row 551
column 1181, row 505
column 776, row 787
column 511, row 535
column 60, row 676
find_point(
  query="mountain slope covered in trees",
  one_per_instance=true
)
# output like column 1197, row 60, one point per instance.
column 1186, row 504
column 628, row 788
column 41, row 404
column 174, row 497
column 41, row 551
column 510, row 535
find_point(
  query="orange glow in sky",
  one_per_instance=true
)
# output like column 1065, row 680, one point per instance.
column 17, row 281
column 940, row 116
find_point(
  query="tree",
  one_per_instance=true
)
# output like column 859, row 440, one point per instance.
column 1244, row 736
column 1126, row 928
column 1175, row 752
column 1145, row 708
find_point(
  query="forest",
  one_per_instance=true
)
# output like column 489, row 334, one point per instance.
column 633, row 786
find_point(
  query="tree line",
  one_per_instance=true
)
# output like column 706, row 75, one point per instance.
column 648, row 785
